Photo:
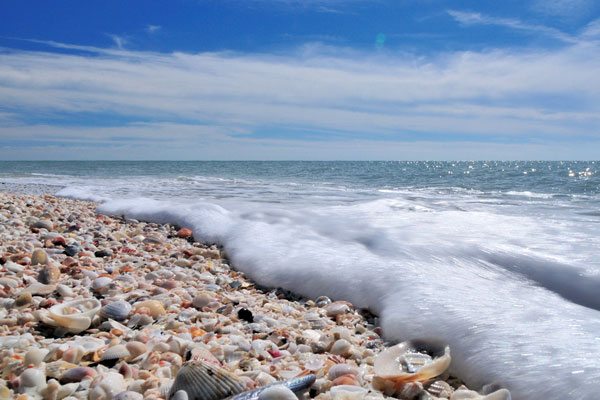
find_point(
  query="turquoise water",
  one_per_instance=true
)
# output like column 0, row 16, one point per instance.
column 499, row 259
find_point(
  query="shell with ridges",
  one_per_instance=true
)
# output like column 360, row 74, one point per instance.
column 115, row 353
column 75, row 316
column 117, row 310
column 205, row 381
column 296, row 385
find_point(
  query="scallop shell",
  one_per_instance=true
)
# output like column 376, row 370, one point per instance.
column 117, row 310
column 414, row 360
column 155, row 307
column 115, row 353
column 75, row 316
column 205, row 381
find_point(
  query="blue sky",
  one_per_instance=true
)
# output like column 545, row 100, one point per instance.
column 291, row 79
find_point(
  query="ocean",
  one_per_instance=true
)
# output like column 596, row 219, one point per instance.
column 499, row 259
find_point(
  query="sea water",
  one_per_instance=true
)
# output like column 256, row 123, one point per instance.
column 499, row 259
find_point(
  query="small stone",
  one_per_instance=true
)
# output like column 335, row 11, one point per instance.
column 43, row 224
column 103, row 253
column 23, row 299
column 245, row 315
column 39, row 256
column 72, row 250
column 185, row 233
column 49, row 274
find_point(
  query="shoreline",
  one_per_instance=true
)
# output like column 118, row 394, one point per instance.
column 176, row 291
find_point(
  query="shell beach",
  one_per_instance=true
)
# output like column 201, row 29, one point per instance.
column 97, row 307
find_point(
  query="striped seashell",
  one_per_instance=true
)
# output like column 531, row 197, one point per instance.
column 338, row 370
column 296, row 385
column 74, row 316
column 77, row 374
column 117, row 310
column 136, row 348
column 207, row 382
column 115, row 353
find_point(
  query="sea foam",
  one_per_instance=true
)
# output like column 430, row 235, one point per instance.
column 517, row 308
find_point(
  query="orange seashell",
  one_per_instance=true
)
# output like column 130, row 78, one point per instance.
column 347, row 379
column 196, row 332
column 184, row 233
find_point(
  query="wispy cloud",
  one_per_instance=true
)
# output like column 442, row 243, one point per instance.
column 563, row 8
column 153, row 28
column 120, row 41
column 338, row 95
column 474, row 18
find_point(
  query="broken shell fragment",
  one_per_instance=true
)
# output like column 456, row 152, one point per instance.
column 413, row 360
column 75, row 316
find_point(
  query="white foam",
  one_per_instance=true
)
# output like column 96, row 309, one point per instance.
column 506, row 292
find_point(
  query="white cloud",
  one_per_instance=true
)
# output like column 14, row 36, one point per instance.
column 153, row 28
column 119, row 41
column 563, row 8
column 474, row 18
column 340, row 96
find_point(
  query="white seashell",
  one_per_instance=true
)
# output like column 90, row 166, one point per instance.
column 440, row 389
column 32, row 378
column 117, row 310
column 205, row 381
column 35, row 356
column 414, row 360
column 129, row 395
column 106, row 386
column 101, row 283
column 341, row 347
column 115, row 353
column 348, row 392
column 465, row 394
column 277, row 392
column 74, row 316
column 341, row 369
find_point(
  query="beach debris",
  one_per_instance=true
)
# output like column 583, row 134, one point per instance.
column 74, row 316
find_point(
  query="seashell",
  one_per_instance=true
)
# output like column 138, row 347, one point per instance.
column 341, row 347
column 75, row 316
column 14, row 267
column 117, row 310
column 205, row 381
column 336, row 308
column 296, row 385
column 202, row 354
column 440, row 389
column 202, row 300
column 49, row 274
column 154, row 308
column 338, row 370
column 180, row 395
column 73, row 354
column 410, row 390
column 466, row 394
column 115, row 353
column 135, row 348
column 77, row 374
column 101, row 283
column 348, row 392
column 35, row 356
column 346, row 380
column 139, row 320
column 9, row 282
column 64, row 290
column 414, row 360
column 39, row 256
column 129, row 395
column 106, row 386
column 277, row 392
column 31, row 378
column 40, row 289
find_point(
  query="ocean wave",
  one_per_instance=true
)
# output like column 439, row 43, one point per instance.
column 506, row 292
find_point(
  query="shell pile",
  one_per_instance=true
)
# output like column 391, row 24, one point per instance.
column 101, row 308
